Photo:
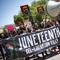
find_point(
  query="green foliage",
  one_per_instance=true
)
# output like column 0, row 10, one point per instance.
column 17, row 18
column 39, row 17
column 33, row 9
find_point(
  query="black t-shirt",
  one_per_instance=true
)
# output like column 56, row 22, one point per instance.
column 6, row 35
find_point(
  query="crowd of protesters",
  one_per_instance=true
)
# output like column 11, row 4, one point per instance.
column 26, row 27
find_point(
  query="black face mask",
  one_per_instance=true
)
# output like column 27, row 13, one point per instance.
column 29, row 30
column 22, row 28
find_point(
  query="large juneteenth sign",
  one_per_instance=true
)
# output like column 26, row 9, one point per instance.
column 36, row 42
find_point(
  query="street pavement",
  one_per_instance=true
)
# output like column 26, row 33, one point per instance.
column 56, row 57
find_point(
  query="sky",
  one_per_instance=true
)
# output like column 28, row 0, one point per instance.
column 9, row 8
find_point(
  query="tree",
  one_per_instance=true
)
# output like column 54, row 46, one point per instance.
column 18, row 18
column 38, row 17
column 33, row 9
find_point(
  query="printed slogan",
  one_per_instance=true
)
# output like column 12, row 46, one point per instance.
column 36, row 42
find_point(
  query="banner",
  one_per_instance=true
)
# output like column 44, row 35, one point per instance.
column 35, row 42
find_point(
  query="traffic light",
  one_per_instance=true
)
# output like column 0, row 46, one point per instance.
column 25, row 10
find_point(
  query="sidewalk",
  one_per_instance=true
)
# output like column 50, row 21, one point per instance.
column 57, row 57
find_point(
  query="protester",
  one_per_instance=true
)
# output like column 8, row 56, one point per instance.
column 46, row 23
column 1, row 48
column 26, row 27
column 58, row 20
column 21, row 26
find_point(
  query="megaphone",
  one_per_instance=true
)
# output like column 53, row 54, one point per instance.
column 53, row 8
